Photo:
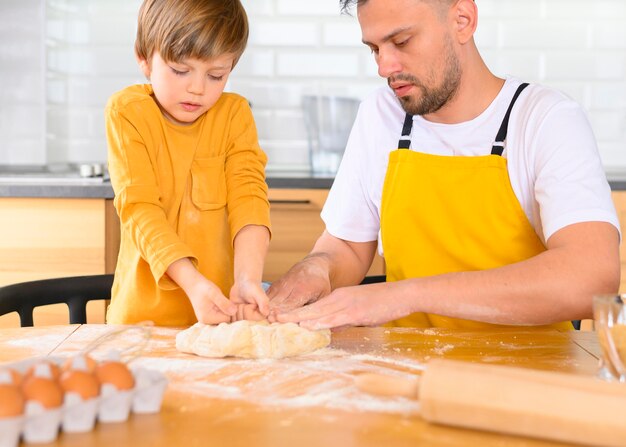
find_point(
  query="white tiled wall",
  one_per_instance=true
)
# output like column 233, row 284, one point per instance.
column 296, row 47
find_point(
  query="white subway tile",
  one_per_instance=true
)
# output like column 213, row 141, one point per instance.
column 576, row 9
column 342, row 34
column 523, row 64
column 22, row 150
column 608, row 95
column 308, row 8
column 256, row 8
column 580, row 65
column 279, row 34
column 318, row 64
column 487, row 34
column 519, row 9
column 608, row 125
column 269, row 94
column 543, row 34
column 613, row 153
column 609, row 35
column 255, row 63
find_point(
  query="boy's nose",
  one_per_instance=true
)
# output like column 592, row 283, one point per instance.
column 196, row 85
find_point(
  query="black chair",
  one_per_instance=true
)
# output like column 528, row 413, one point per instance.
column 383, row 278
column 74, row 291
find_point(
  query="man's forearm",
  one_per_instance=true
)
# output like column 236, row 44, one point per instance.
column 345, row 262
column 556, row 285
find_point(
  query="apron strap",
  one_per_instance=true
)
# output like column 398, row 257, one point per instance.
column 498, row 145
column 405, row 139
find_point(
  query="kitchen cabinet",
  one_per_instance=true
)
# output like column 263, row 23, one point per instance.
column 619, row 199
column 296, row 225
column 44, row 237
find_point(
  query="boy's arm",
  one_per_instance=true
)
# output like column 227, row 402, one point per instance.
column 209, row 305
column 250, row 249
column 137, row 197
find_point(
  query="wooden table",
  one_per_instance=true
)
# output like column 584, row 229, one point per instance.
column 304, row 401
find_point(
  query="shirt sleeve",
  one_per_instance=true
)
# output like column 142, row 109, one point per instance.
column 137, row 199
column 571, row 185
column 245, row 162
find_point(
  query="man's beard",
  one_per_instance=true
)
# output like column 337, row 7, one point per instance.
column 432, row 98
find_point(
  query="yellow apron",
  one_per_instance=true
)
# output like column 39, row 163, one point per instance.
column 442, row 214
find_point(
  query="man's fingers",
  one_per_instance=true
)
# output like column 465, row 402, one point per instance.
column 310, row 312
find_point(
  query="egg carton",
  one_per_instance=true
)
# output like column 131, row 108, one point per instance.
column 41, row 425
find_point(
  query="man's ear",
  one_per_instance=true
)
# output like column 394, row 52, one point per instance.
column 465, row 17
column 144, row 65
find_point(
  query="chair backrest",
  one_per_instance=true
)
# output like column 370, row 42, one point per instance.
column 74, row 291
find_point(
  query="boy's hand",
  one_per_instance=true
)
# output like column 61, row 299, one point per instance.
column 209, row 304
column 251, row 300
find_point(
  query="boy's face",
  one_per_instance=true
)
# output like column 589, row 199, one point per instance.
column 187, row 89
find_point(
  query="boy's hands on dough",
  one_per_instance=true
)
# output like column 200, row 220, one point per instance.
column 306, row 282
column 209, row 304
column 252, row 302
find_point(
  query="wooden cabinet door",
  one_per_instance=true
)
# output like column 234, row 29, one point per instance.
column 296, row 225
column 619, row 199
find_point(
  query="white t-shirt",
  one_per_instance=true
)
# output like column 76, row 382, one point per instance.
column 553, row 161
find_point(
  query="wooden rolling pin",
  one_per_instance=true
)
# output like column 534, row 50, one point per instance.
column 539, row 404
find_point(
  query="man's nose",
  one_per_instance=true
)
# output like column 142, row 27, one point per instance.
column 388, row 63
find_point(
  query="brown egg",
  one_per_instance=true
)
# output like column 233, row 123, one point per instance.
column 44, row 390
column 55, row 371
column 115, row 373
column 11, row 401
column 82, row 362
column 81, row 382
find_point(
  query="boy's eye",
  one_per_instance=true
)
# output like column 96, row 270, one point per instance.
column 178, row 72
column 216, row 78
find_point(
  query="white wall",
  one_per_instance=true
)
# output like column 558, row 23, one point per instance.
column 302, row 46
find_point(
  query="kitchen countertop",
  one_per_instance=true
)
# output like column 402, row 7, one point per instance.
column 278, row 180
column 306, row 401
column 103, row 190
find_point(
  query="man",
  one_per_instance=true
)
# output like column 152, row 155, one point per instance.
column 486, row 196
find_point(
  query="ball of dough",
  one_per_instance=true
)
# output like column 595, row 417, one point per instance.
column 250, row 339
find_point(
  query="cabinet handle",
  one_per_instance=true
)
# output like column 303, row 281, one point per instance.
column 290, row 202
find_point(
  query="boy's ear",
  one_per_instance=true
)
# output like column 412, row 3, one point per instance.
column 144, row 65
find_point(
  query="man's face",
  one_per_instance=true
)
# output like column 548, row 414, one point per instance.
column 414, row 49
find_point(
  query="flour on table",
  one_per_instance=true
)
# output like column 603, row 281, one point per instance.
column 250, row 339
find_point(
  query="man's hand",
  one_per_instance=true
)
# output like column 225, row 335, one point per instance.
column 306, row 282
column 252, row 302
column 368, row 305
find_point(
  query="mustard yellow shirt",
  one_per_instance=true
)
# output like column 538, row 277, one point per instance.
column 180, row 191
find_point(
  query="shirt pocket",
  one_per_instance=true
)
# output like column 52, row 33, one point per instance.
column 208, row 183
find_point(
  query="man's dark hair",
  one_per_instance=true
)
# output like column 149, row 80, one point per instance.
column 346, row 4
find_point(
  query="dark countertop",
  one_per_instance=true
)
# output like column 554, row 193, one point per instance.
column 103, row 190
column 278, row 180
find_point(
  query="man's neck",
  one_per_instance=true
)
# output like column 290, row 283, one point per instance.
column 477, row 90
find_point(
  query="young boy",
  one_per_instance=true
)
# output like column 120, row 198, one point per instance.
column 188, row 173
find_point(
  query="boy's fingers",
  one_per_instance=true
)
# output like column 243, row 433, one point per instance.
column 224, row 304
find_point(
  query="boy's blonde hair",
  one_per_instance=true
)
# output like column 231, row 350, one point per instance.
column 198, row 29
